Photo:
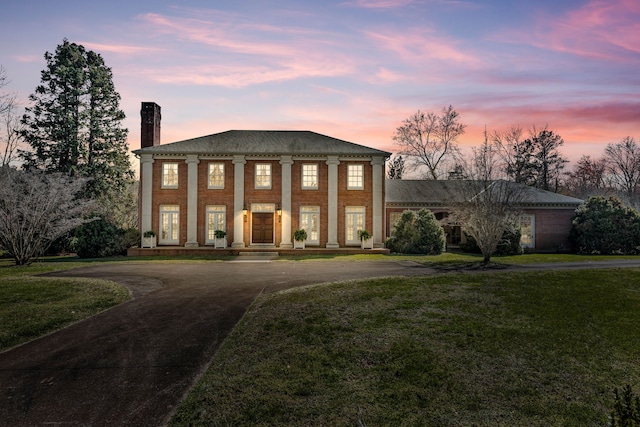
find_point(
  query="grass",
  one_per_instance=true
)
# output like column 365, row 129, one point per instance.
column 497, row 349
column 457, row 258
column 32, row 306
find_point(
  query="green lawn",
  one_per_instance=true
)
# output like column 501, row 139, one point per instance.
column 32, row 306
column 496, row 349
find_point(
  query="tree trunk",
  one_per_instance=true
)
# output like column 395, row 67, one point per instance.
column 485, row 259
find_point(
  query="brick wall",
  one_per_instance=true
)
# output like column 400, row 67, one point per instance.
column 552, row 227
column 300, row 197
column 214, row 196
column 170, row 196
column 310, row 197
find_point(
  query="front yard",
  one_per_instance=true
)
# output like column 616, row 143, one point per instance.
column 489, row 349
column 32, row 306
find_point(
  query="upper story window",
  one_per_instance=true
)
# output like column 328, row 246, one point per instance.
column 216, row 175
column 263, row 175
column 310, row 176
column 355, row 178
column 169, row 175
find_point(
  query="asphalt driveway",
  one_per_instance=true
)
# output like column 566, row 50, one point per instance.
column 131, row 365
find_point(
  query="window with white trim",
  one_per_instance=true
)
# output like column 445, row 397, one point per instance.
column 394, row 218
column 528, row 231
column 355, row 177
column 216, row 220
column 309, row 176
column 216, row 175
column 354, row 223
column 169, row 225
column 310, row 221
column 263, row 175
column 169, row 175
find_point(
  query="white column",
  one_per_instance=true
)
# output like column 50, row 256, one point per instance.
column 146, row 182
column 192, row 201
column 332, row 203
column 377, row 177
column 238, row 201
column 285, row 239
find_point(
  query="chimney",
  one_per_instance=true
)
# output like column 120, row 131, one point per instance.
column 150, row 125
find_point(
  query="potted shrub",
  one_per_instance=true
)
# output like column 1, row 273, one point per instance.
column 220, row 239
column 149, row 239
column 299, row 236
column 366, row 242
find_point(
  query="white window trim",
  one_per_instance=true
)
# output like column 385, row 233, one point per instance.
column 214, row 209
column 169, row 210
column 310, row 187
column 311, row 210
column 532, row 244
column 215, row 187
column 263, row 187
column 171, row 186
column 354, row 210
column 355, row 187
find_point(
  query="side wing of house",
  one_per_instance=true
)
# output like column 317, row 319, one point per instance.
column 545, row 220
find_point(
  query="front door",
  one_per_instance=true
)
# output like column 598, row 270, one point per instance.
column 262, row 228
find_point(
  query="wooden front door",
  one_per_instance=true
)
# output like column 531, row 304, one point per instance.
column 262, row 228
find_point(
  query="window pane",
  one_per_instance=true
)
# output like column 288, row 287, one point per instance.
column 355, row 222
column 169, row 222
column 216, row 175
column 216, row 216
column 310, row 221
column 527, row 224
column 263, row 176
column 310, row 176
column 169, row 174
column 355, row 178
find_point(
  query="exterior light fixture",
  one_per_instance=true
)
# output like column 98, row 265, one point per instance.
column 245, row 212
column 279, row 212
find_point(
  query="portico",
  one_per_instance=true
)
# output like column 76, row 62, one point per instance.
column 257, row 187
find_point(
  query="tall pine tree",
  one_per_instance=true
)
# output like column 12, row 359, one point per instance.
column 74, row 125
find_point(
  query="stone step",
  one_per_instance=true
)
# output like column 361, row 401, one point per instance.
column 258, row 254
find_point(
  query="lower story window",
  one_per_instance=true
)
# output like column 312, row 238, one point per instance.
column 169, row 225
column 216, row 216
column 527, row 231
column 310, row 221
column 394, row 218
column 354, row 223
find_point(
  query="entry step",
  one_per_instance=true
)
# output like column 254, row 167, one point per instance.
column 259, row 254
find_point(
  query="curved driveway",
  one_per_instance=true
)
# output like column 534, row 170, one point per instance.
column 132, row 364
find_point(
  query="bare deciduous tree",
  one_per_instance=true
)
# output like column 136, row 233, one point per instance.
column 587, row 178
column 36, row 209
column 9, row 123
column 514, row 154
column 534, row 161
column 430, row 140
column 484, row 206
column 623, row 166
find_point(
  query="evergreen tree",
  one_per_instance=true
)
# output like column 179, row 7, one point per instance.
column 74, row 125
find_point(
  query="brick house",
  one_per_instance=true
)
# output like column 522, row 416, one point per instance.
column 545, row 220
column 259, row 187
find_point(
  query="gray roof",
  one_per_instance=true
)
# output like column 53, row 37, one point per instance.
column 431, row 193
column 264, row 142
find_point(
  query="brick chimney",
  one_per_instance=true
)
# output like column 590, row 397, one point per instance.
column 150, row 124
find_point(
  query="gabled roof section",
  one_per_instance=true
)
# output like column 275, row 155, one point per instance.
column 264, row 142
column 441, row 193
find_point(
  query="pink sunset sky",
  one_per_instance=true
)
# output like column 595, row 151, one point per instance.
column 351, row 69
